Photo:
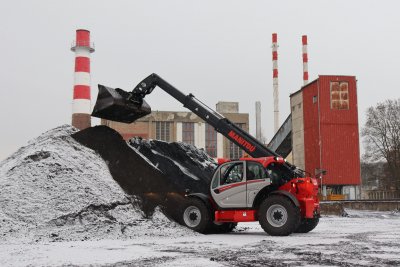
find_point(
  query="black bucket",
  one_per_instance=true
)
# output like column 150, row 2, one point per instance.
column 113, row 104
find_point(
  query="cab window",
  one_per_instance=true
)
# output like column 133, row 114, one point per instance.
column 215, row 181
column 255, row 171
column 279, row 174
column 231, row 173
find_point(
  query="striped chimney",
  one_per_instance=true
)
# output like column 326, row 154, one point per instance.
column 81, row 98
column 305, row 59
column 258, row 120
column 275, row 80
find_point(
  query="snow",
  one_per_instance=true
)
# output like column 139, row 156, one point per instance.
column 364, row 240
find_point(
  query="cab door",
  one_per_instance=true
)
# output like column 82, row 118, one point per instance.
column 228, row 187
column 256, row 179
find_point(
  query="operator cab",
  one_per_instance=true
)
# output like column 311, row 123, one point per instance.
column 236, row 183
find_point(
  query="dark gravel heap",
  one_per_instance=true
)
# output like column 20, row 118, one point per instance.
column 132, row 172
column 184, row 165
column 158, row 172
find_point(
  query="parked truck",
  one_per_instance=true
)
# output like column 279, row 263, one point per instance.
column 263, row 187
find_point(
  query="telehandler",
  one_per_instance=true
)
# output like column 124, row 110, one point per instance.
column 263, row 187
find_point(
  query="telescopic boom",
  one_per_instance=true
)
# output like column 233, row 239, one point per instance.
column 118, row 105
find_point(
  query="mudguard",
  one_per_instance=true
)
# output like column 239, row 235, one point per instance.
column 202, row 197
column 287, row 194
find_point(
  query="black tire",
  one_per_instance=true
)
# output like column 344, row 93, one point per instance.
column 196, row 216
column 307, row 225
column 222, row 228
column 278, row 216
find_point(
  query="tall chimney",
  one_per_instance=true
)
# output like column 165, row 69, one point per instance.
column 258, row 120
column 81, row 97
column 305, row 59
column 275, row 80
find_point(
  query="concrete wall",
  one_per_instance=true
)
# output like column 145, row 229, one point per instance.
column 373, row 193
column 296, row 105
column 227, row 107
column 200, row 135
column 338, row 207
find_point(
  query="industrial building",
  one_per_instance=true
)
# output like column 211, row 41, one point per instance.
column 321, row 135
column 186, row 127
column 325, row 134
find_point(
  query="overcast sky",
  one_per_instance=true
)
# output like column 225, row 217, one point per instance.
column 217, row 50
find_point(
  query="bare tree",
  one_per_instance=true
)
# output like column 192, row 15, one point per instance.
column 382, row 137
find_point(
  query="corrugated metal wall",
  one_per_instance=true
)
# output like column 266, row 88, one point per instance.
column 331, row 135
column 340, row 135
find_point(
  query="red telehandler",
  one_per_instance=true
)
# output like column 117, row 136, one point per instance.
column 263, row 187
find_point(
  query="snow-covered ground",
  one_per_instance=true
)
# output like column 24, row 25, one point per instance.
column 363, row 239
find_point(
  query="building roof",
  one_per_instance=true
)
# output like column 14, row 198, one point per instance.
column 313, row 81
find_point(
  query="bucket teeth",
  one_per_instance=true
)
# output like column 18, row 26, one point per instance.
column 113, row 104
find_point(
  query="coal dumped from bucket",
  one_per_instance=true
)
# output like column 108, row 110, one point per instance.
column 186, row 166
column 132, row 171
column 158, row 172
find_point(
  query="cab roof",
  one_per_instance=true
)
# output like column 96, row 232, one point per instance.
column 265, row 161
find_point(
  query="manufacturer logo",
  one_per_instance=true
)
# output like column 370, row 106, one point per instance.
column 241, row 141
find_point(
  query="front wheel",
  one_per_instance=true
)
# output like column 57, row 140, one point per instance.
column 196, row 216
column 307, row 225
column 278, row 216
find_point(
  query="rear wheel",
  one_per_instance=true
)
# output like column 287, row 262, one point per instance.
column 196, row 216
column 278, row 216
column 307, row 225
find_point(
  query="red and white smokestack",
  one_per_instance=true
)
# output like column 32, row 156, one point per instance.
column 305, row 59
column 81, row 98
column 275, row 80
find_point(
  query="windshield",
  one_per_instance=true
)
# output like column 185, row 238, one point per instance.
column 279, row 174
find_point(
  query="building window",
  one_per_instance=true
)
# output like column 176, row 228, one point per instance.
column 163, row 130
column 314, row 99
column 211, row 141
column 339, row 95
column 236, row 152
column 188, row 132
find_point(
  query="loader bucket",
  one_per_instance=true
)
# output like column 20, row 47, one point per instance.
column 113, row 104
